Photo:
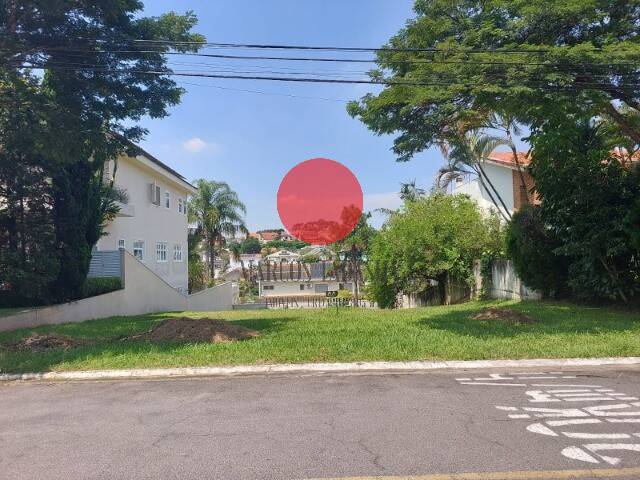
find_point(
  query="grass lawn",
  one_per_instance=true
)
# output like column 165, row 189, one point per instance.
column 443, row 333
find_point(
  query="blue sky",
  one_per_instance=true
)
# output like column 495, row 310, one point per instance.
column 251, row 140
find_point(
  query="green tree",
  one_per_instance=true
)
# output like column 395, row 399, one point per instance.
column 197, row 269
column 458, row 62
column 588, row 192
column 217, row 211
column 355, row 247
column 532, row 247
column 250, row 245
column 91, row 93
column 436, row 238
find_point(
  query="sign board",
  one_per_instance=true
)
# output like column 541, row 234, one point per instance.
column 331, row 294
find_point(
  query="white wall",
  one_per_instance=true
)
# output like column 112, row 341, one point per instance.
column 293, row 288
column 151, row 223
column 502, row 179
column 143, row 292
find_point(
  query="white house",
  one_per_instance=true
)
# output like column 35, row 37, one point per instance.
column 153, row 224
column 299, row 279
column 502, row 173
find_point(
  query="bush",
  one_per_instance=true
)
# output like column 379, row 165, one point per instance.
column 531, row 246
column 433, row 238
column 101, row 285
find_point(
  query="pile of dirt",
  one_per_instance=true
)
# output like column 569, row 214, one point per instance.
column 190, row 330
column 37, row 342
column 506, row 315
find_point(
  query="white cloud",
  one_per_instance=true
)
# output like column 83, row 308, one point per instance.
column 195, row 145
column 389, row 200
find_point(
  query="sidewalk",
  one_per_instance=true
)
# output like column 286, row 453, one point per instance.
column 308, row 368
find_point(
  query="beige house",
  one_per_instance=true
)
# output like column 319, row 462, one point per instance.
column 152, row 226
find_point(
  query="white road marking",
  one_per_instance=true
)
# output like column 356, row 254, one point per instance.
column 593, row 436
column 541, row 429
column 576, row 453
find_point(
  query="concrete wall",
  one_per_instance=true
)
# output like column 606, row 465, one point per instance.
column 143, row 292
column 505, row 282
column 150, row 223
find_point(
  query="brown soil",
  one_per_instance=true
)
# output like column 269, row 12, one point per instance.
column 198, row 330
column 37, row 342
column 504, row 314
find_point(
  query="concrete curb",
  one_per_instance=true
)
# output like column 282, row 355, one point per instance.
column 302, row 368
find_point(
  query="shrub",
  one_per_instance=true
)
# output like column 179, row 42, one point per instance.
column 531, row 246
column 433, row 238
column 101, row 285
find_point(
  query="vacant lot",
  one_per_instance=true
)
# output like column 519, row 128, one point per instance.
column 549, row 330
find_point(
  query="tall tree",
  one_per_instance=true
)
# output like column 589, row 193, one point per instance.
column 355, row 247
column 217, row 211
column 459, row 61
column 93, row 57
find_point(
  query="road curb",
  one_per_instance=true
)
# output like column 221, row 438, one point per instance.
column 302, row 368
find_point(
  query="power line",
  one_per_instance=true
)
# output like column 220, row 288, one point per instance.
column 353, row 60
column 337, row 49
column 341, row 100
column 576, row 85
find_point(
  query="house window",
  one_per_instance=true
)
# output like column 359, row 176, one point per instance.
column 177, row 252
column 302, row 286
column 167, row 199
column 138, row 250
column 161, row 251
column 267, row 287
column 121, row 244
column 180, row 202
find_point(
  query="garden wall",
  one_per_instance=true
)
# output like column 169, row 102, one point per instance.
column 143, row 292
column 505, row 282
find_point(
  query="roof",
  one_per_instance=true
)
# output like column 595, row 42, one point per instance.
column 162, row 165
column 506, row 159
column 268, row 236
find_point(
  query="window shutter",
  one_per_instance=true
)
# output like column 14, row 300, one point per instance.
column 154, row 193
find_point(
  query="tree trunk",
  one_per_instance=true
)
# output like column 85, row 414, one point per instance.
column 523, row 182
column 504, row 214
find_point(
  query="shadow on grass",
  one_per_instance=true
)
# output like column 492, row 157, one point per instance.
column 549, row 319
column 116, row 350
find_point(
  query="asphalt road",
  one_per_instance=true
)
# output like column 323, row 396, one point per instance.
column 553, row 425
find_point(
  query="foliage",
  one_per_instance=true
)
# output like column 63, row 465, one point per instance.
column 532, row 246
column 310, row 259
column 566, row 59
column 248, row 290
column 64, row 124
column 101, row 285
column 217, row 211
column 287, row 244
column 588, row 193
column 197, row 269
column 250, row 245
column 430, row 239
column 356, row 246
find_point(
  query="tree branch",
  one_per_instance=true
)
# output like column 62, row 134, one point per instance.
column 622, row 122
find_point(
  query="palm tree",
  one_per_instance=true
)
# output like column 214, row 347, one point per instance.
column 467, row 156
column 410, row 192
column 217, row 211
